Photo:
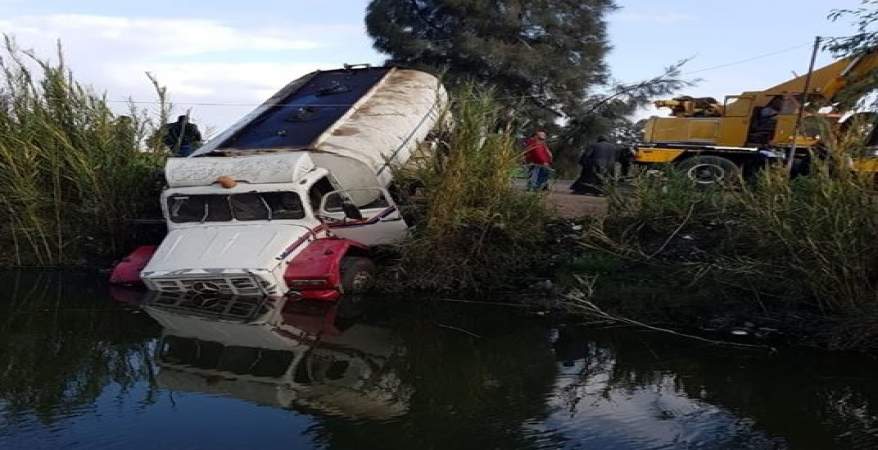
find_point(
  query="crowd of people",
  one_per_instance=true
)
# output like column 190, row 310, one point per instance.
column 597, row 164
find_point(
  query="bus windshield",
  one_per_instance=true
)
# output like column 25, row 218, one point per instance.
column 242, row 207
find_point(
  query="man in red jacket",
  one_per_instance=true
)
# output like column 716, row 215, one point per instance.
column 539, row 159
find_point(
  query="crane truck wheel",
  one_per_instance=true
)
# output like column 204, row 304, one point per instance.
column 710, row 170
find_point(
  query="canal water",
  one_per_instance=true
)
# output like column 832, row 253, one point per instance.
column 82, row 367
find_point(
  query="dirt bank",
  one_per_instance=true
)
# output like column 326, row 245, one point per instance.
column 572, row 206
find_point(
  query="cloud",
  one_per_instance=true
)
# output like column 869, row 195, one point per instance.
column 199, row 60
column 664, row 18
column 150, row 36
column 214, row 80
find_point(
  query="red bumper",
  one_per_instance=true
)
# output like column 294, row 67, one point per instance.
column 127, row 272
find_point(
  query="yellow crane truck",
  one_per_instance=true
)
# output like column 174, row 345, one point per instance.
column 715, row 143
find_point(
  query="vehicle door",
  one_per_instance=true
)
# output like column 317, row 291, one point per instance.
column 368, row 216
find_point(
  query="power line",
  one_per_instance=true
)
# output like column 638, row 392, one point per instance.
column 753, row 58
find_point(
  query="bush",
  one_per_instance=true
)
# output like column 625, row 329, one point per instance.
column 809, row 239
column 72, row 173
column 806, row 244
column 817, row 234
column 476, row 231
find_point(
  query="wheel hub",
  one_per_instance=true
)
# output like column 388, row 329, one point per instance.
column 361, row 281
column 706, row 173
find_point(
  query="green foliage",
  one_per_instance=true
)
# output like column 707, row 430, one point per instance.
column 660, row 200
column 816, row 234
column 856, row 94
column 545, row 52
column 865, row 38
column 609, row 113
column 72, row 173
column 477, row 230
column 808, row 240
column 544, row 59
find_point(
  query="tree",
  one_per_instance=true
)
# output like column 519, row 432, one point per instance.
column 545, row 54
column 866, row 36
column 608, row 112
column 864, row 40
column 544, row 59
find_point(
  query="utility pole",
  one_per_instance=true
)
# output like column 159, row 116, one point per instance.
column 792, row 154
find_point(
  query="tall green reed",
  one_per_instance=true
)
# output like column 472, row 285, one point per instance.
column 810, row 240
column 72, row 172
column 816, row 233
column 477, row 230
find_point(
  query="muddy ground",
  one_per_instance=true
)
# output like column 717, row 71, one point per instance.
column 571, row 206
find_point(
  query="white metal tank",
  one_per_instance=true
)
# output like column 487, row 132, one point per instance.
column 355, row 122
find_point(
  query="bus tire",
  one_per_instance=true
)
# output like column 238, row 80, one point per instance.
column 357, row 275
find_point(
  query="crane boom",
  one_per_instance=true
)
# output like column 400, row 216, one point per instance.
column 855, row 70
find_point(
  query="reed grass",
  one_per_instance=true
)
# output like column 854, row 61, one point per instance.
column 72, row 172
column 803, row 243
column 476, row 230
column 817, row 234
column 813, row 237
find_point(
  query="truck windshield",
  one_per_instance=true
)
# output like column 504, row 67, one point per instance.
column 245, row 207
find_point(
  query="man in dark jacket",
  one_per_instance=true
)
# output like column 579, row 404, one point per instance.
column 181, row 136
column 597, row 163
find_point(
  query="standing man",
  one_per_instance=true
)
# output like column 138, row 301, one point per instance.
column 597, row 162
column 539, row 158
column 182, row 136
column 626, row 158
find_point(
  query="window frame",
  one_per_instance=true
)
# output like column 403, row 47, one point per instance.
column 233, row 219
column 316, row 202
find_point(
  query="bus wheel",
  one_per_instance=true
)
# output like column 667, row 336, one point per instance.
column 709, row 170
column 357, row 275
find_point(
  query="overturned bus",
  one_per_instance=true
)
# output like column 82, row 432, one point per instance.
column 291, row 198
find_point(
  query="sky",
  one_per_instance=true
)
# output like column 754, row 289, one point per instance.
column 221, row 58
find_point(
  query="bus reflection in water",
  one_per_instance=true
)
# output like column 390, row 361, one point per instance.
column 278, row 352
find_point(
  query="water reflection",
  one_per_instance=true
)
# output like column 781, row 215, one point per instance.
column 654, row 392
column 78, row 370
column 279, row 353
column 60, row 350
column 376, row 379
